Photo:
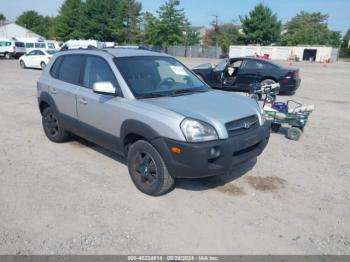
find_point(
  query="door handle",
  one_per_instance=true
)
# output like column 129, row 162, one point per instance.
column 82, row 101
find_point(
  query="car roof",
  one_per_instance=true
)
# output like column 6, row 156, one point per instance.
column 124, row 52
column 116, row 52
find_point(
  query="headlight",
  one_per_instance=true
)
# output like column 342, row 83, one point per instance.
column 197, row 131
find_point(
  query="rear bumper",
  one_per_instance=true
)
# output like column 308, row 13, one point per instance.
column 195, row 160
column 291, row 86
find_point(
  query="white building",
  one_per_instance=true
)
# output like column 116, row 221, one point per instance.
column 313, row 53
column 13, row 30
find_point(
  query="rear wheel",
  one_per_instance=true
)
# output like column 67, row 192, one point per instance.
column 52, row 127
column 267, row 82
column 42, row 65
column 147, row 169
column 8, row 56
column 294, row 133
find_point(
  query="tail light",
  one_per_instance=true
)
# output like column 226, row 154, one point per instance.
column 14, row 49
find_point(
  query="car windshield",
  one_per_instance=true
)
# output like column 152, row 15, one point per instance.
column 150, row 76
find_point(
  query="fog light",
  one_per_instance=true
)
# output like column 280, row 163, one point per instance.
column 214, row 152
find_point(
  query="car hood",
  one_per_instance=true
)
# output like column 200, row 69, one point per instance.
column 214, row 107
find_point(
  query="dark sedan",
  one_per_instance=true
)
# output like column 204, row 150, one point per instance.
column 237, row 74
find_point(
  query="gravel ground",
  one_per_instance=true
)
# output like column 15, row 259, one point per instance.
column 77, row 198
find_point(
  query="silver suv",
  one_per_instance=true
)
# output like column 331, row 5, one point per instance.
column 151, row 109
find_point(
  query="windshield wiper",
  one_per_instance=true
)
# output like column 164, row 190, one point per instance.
column 187, row 91
column 154, row 94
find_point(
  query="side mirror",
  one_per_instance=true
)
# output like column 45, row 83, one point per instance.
column 104, row 88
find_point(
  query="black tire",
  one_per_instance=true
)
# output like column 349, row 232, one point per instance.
column 294, row 133
column 8, row 56
column 42, row 65
column 147, row 169
column 22, row 64
column 52, row 127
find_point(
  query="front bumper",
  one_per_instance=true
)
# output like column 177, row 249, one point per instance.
column 195, row 160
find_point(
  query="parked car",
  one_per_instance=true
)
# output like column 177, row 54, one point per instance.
column 237, row 74
column 36, row 59
column 11, row 49
column 151, row 109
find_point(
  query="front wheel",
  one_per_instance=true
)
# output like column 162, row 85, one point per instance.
column 22, row 64
column 52, row 127
column 294, row 133
column 8, row 56
column 147, row 169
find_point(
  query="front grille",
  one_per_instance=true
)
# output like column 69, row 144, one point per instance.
column 240, row 126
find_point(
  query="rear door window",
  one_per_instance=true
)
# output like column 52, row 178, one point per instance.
column 5, row 43
column 19, row 44
column 70, row 69
column 252, row 64
column 56, row 66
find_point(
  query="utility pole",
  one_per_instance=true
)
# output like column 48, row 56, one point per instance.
column 216, row 29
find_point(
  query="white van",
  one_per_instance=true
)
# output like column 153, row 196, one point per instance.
column 30, row 46
column 11, row 48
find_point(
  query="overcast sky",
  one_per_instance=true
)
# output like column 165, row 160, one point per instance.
column 201, row 12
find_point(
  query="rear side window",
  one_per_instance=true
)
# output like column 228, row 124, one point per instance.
column 29, row 45
column 56, row 66
column 70, row 68
column 19, row 44
column 39, row 45
column 97, row 70
column 5, row 43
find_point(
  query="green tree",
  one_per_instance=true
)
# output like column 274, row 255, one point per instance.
column 132, row 20
column 69, row 24
column 346, row 40
column 191, row 37
column 232, row 32
column 149, row 28
column 2, row 17
column 35, row 22
column 113, row 20
column 345, row 45
column 261, row 26
column 170, row 25
column 310, row 29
